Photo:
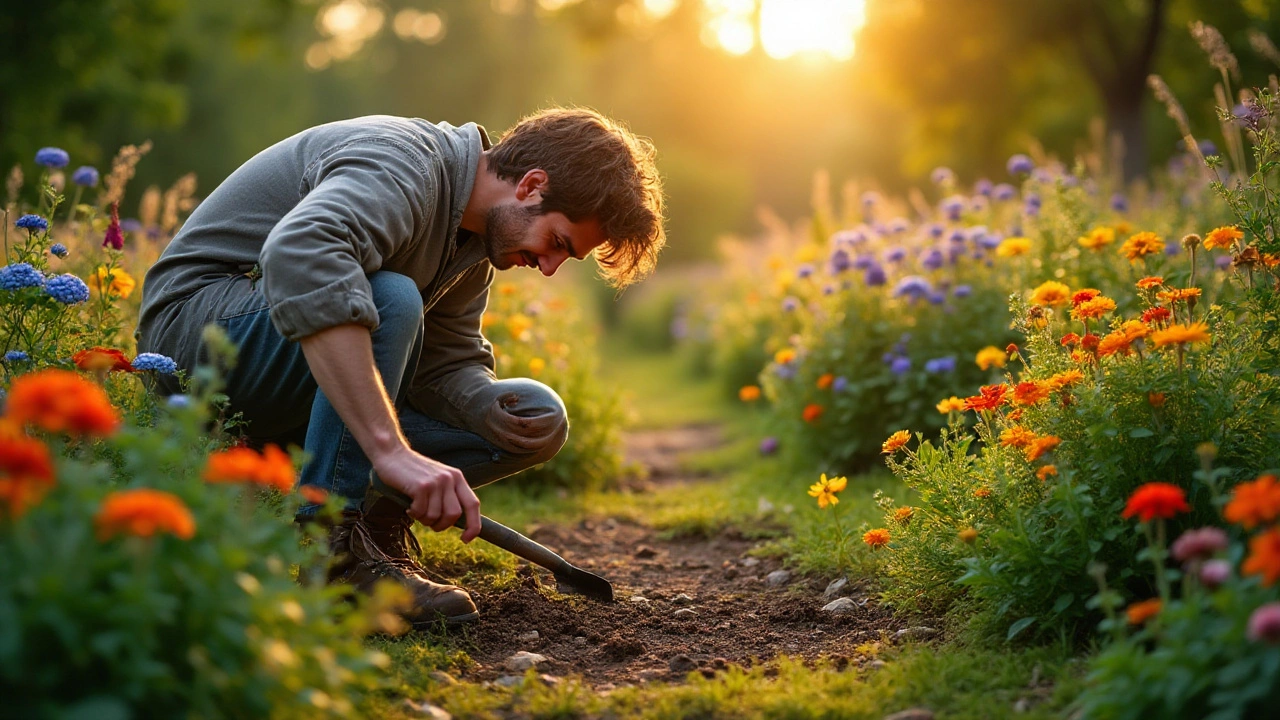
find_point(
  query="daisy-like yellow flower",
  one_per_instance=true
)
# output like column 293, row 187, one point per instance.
column 1017, row 436
column 1223, row 237
column 825, row 490
column 1112, row 343
column 116, row 281
column 991, row 356
column 895, row 442
column 951, row 404
column 1142, row 244
column 1051, row 293
column 1134, row 329
column 536, row 366
column 1014, row 246
column 1181, row 335
column 1098, row 238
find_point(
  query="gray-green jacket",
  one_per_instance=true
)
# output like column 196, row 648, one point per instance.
column 319, row 212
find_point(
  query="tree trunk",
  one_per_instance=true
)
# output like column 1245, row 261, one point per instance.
column 1125, row 118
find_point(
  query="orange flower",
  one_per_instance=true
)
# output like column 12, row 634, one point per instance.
column 1084, row 296
column 1140, row 612
column 876, row 538
column 1156, row 500
column 951, row 404
column 749, row 393
column 1152, row 281
column 903, row 514
column 1135, row 329
column 1093, row 308
column 1156, row 314
column 1070, row 340
column 1223, row 237
column 1181, row 335
column 1098, row 238
column 1046, row 472
column 1017, row 436
column 61, row 401
column 314, row 495
column 982, row 493
column 26, row 472
column 1254, row 503
column 812, row 412
column 1179, row 295
column 825, row 380
column 1030, row 393
column 1064, row 379
column 277, row 469
column 990, row 356
column 784, row 356
column 895, row 442
column 1051, row 293
column 144, row 512
column 1112, row 343
column 97, row 359
column 272, row 468
column 1090, row 342
column 1013, row 247
column 1143, row 244
column 1264, row 557
column 968, row 535
column 1040, row 446
column 1156, row 399
column 990, row 397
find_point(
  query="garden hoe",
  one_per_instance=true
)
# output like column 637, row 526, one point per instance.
column 570, row 580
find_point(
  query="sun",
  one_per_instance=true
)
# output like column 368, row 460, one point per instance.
column 787, row 27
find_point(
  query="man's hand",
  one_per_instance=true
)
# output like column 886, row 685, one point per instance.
column 439, row 493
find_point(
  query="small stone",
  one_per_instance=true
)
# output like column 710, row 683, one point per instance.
column 685, row 613
column 915, row 633
column 682, row 599
column 840, row 606
column 835, row 588
column 427, row 710
column 441, row 677
column 911, row 714
column 877, row 664
column 764, row 507
column 681, row 664
column 651, row 673
column 750, row 562
column 528, row 637
column 606, row 688
column 523, row 660
column 788, row 509
column 640, row 599
column 730, row 572
column 579, row 640
column 1022, row 705
column 507, row 681
column 778, row 578
column 549, row 680
column 644, row 552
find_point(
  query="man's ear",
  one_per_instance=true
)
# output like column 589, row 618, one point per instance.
column 532, row 185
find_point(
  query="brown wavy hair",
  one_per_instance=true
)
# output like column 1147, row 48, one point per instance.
column 596, row 168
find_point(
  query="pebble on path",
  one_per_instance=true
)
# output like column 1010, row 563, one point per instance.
column 524, row 660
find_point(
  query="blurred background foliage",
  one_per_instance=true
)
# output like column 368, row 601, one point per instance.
column 745, row 99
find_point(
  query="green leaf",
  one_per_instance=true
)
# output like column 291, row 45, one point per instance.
column 1019, row 626
column 1063, row 602
column 1140, row 433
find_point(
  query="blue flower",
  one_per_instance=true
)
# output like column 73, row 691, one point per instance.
column 1033, row 200
column 983, row 187
column 839, row 384
column 914, row 286
column 864, row 261
column 962, row 291
column 179, row 401
column 936, row 230
column 15, row 356
column 1173, row 247
column 874, row 276
column 941, row 365
column 937, row 297
column 32, row 223
column 85, row 175
column 1208, row 148
column 1020, row 165
column 989, row 241
column 894, row 254
column 839, row 261
column 952, row 207
column 897, row 226
column 155, row 362
column 768, row 446
column 785, row 371
column 67, row 289
column 932, row 259
column 20, row 275
column 789, row 304
column 130, row 225
column 52, row 157
column 942, row 175
column 59, row 250
column 804, row 271
column 1004, row 191
column 1119, row 203
column 901, row 365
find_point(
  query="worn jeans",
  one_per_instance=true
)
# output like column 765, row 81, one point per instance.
column 272, row 387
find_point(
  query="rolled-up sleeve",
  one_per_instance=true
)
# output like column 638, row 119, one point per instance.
column 366, row 200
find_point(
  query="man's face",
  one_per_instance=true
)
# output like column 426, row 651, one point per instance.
column 517, row 236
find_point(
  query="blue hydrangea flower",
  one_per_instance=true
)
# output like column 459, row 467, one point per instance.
column 85, row 175
column 59, row 250
column 67, row 289
column 962, row 291
column 32, row 223
column 52, row 157
column 1020, row 165
column 156, row 362
column 769, row 446
column 901, row 365
column 874, row 276
column 983, row 187
column 941, row 365
column 20, row 275
column 804, row 271
column 952, row 207
column 839, row 261
column 1004, row 191
column 1119, row 203
column 839, row 384
column 15, row 356
column 789, row 304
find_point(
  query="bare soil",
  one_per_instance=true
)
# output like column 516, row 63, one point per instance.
column 682, row 605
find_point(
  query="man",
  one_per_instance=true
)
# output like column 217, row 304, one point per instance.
column 351, row 264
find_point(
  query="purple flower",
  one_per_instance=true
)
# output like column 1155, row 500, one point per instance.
column 1042, row 175
column 864, row 261
column 785, row 371
column 1214, row 572
column 958, row 236
column 1199, row 544
column 870, row 198
column 978, row 204
column 897, row 226
column 1070, row 181
column 913, row 286
column 900, row 365
column 839, row 261
column 804, row 270
column 769, row 446
column 1223, row 262
column 940, row 365
column 953, row 207
column 52, row 157
column 895, row 253
column 1264, row 624
column 962, row 291
column 1207, row 147
column 828, row 289
column 1004, row 191
column 114, row 238
column 937, row 297
column 935, row 230
column 58, row 249
column 839, row 384
column 1020, row 165
column 1119, row 203
column 1173, row 247
column 789, row 304
column 85, row 175
column 932, row 259
column 941, row 175
column 875, row 276
column 983, row 187
column 1032, row 200
column 131, row 225
column 989, row 241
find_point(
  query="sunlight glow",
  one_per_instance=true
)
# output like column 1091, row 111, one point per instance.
column 787, row 28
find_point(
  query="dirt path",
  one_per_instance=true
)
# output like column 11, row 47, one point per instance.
column 682, row 605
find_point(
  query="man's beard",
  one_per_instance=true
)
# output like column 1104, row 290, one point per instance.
column 505, row 229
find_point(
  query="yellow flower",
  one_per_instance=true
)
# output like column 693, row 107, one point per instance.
column 1098, row 238
column 784, row 356
column 1143, row 244
column 1179, row 295
column 1051, row 293
column 990, row 356
column 825, row 490
column 951, row 404
column 518, row 325
column 1223, row 237
column 1013, row 247
column 1181, row 335
column 120, row 283
column 506, row 288
column 895, row 442
column 968, row 535
column 536, row 366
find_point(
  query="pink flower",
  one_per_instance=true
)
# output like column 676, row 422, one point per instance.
column 1199, row 544
column 1264, row 624
column 115, row 237
column 1214, row 572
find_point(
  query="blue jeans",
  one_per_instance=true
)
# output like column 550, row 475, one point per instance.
column 272, row 387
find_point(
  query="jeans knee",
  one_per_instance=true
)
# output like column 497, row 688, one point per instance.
column 534, row 419
column 398, row 300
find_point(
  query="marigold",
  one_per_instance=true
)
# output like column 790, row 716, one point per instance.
column 1014, row 246
column 1046, row 471
column 1152, row 281
column 1051, row 294
column 1084, row 296
column 1254, row 503
column 903, row 514
column 825, row 490
column 26, row 472
column 1064, row 379
column 1113, row 343
column 1154, row 315
column 1223, row 237
column 1140, row 612
column 144, row 512
column 1098, row 238
column 1156, row 500
column 1179, row 295
column 1264, row 557
column 1041, row 445
column 1030, row 393
column 1156, row 399
column 895, row 442
column 950, row 405
column 1135, row 329
column 1181, row 335
column 991, row 356
column 825, row 380
column 982, row 493
column 784, row 356
column 1070, row 340
column 61, row 401
column 812, row 412
column 749, row 393
column 968, row 535
column 313, row 494
column 101, row 359
column 1142, row 244
column 1093, row 308
column 989, row 397
column 1017, row 436
column 116, row 281
column 877, row 538
column 272, row 468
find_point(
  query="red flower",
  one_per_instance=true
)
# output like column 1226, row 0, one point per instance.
column 990, row 397
column 812, row 412
column 99, row 358
column 114, row 238
column 1070, row 340
column 1084, row 296
column 1156, row 500
column 1090, row 342
column 1156, row 314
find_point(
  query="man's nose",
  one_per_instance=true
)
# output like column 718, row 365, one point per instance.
column 549, row 264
